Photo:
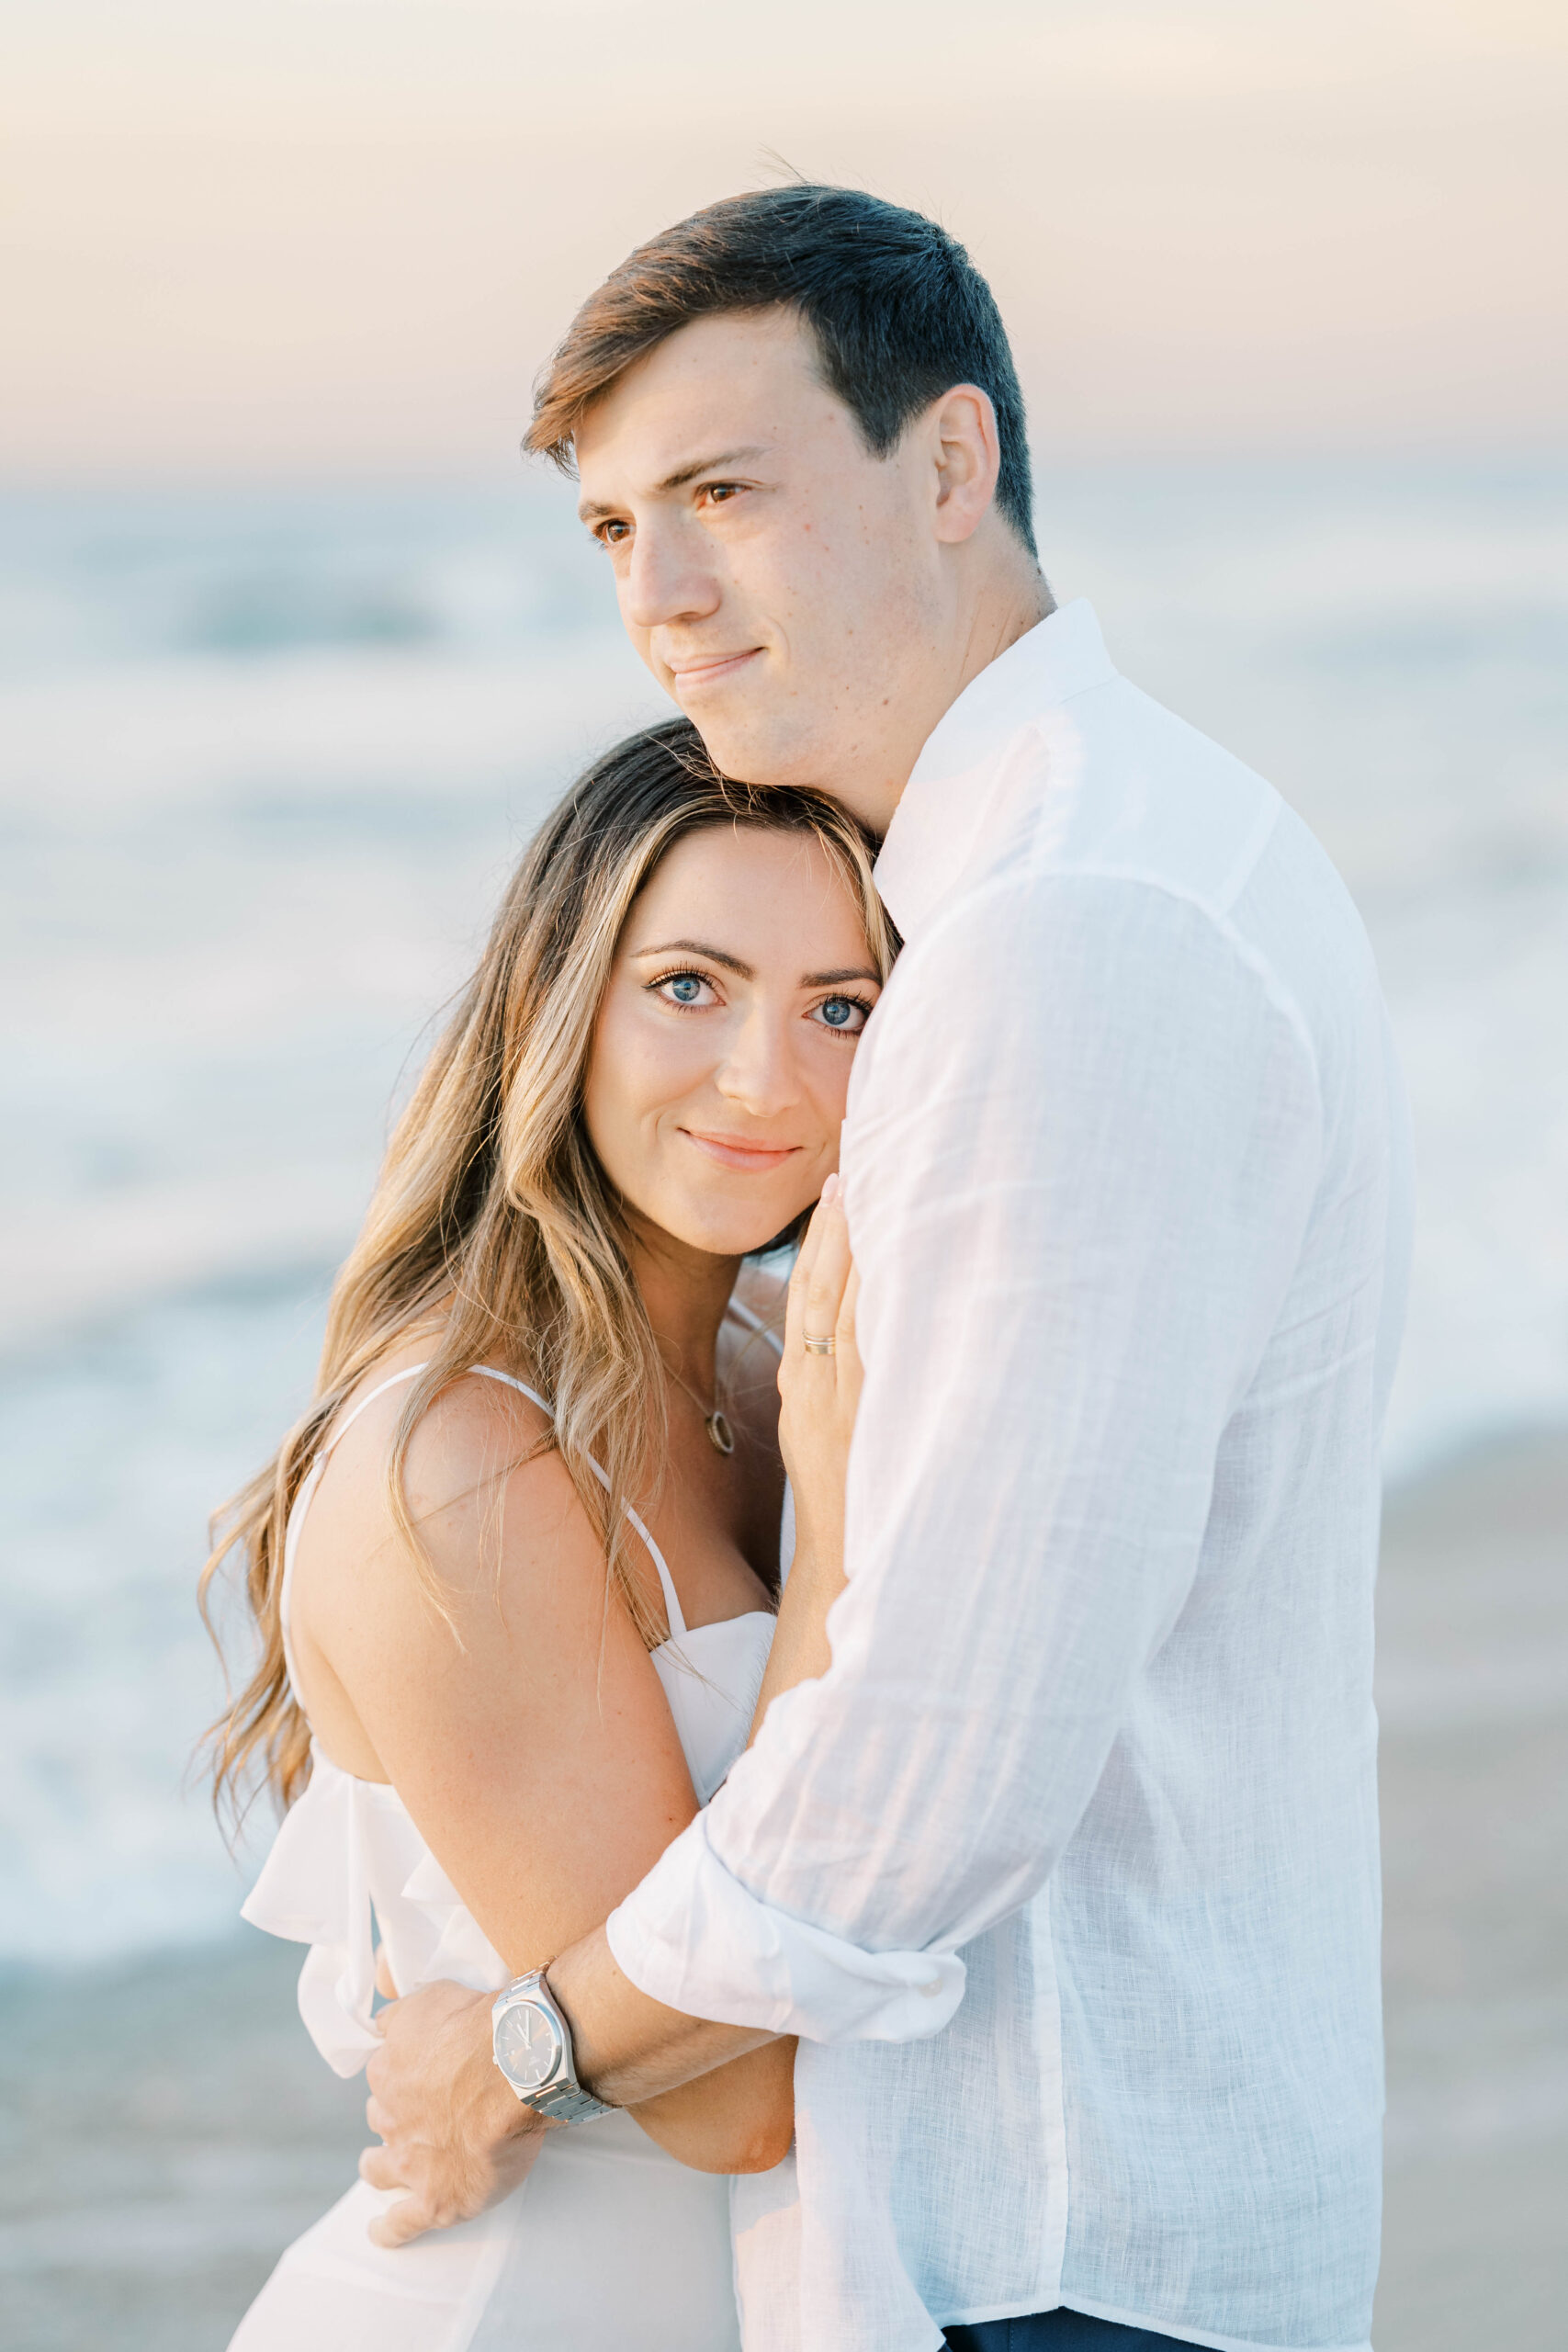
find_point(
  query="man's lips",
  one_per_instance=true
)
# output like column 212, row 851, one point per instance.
column 709, row 669
column 733, row 1151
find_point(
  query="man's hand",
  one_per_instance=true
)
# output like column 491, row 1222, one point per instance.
column 455, row 2134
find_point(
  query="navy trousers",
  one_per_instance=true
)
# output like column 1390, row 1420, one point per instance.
column 1059, row 2331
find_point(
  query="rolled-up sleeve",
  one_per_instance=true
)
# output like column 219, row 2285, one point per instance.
column 1085, row 1138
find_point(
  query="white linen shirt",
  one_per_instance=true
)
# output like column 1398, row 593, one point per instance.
column 1066, row 1871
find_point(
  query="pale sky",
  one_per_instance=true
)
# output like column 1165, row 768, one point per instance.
column 262, row 237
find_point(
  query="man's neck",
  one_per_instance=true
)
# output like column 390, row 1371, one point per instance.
column 997, row 624
column 1007, row 606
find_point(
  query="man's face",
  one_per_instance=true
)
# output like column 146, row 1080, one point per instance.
column 784, row 585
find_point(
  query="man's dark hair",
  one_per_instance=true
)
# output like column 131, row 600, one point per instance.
column 898, row 311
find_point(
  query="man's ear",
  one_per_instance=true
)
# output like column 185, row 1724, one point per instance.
column 966, row 454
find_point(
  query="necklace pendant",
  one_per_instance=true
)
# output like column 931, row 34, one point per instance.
column 721, row 1437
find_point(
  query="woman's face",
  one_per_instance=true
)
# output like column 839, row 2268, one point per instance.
column 721, row 1056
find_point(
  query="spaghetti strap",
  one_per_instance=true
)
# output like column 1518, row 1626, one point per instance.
column 672, row 1604
column 488, row 1372
column 672, row 1609
column 408, row 1372
column 312, row 1479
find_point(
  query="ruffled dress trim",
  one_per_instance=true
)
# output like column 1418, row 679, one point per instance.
column 346, row 1855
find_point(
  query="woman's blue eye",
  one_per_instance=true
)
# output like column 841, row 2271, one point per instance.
column 843, row 1013
column 685, row 987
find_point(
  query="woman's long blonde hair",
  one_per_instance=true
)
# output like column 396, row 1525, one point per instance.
column 493, row 1221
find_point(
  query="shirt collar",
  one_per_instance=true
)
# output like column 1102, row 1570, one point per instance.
column 937, row 826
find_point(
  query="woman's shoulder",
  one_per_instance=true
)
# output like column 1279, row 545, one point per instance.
column 454, row 1594
column 474, row 1406
column 479, row 1434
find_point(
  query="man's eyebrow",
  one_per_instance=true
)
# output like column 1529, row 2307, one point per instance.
column 684, row 474
column 593, row 510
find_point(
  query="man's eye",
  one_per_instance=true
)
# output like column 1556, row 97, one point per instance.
column 612, row 534
column 719, row 493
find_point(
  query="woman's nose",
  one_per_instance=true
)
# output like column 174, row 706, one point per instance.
column 667, row 580
column 759, row 1072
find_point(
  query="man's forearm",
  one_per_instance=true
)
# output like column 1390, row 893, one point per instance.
column 628, row 2046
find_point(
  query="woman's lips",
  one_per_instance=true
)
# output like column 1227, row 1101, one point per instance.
column 750, row 1159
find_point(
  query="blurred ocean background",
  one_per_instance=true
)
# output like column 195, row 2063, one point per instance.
column 266, row 761
column 265, row 757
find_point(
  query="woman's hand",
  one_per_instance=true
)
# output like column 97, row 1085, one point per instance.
column 820, row 1392
column 820, row 1388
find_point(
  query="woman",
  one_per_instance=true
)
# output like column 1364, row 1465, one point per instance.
column 514, row 1573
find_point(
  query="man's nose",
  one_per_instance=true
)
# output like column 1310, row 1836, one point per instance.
column 670, row 578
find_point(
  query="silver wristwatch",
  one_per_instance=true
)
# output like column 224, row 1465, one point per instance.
column 532, row 2042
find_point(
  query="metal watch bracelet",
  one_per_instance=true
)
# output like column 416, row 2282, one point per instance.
column 559, row 2096
column 567, row 2103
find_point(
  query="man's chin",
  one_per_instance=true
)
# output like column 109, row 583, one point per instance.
column 741, row 744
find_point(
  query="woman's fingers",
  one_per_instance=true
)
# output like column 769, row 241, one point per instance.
column 830, row 1272
column 803, row 1271
column 819, row 1389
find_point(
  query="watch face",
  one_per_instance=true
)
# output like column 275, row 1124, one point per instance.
column 528, row 2046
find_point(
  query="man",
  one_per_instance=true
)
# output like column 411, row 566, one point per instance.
column 1066, row 1872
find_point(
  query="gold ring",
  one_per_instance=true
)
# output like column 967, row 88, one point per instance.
column 824, row 1346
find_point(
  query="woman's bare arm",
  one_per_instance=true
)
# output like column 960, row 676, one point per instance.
column 450, row 2130
column 529, row 1737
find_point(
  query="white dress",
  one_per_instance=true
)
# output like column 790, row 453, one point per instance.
column 609, row 2243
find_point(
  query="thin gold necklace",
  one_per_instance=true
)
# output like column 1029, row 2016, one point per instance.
column 721, row 1437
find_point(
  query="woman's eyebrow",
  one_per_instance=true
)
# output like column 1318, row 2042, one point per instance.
column 700, row 947
column 748, row 971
